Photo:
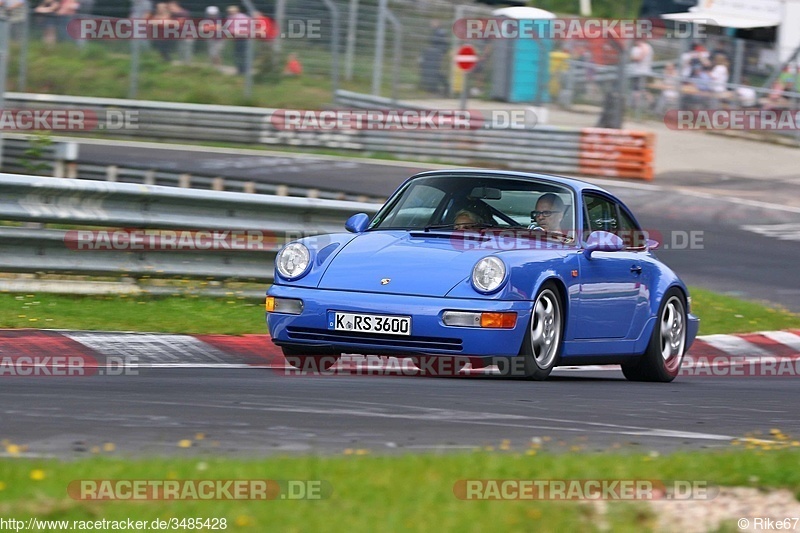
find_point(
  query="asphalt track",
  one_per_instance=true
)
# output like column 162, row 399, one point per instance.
column 253, row 411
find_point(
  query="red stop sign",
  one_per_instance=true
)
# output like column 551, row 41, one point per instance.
column 466, row 58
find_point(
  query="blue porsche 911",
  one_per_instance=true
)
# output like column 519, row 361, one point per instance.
column 523, row 271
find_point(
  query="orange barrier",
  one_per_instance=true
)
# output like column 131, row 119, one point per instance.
column 616, row 153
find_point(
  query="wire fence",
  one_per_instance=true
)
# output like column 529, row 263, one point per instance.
column 393, row 48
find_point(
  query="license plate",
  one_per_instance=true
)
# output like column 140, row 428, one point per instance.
column 387, row 325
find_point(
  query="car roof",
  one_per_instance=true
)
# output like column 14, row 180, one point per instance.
column 577, row 185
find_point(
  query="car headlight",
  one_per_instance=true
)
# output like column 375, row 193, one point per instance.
column 293, row 261
column 488, row 274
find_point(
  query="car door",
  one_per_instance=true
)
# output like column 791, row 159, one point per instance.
column 611, row 283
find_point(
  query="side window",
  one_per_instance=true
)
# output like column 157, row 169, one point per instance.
column 631, row 234
column 600, row 214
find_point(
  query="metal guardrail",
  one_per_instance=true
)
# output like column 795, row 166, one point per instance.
column 89, row 204
column 544, row 148
column 51, row 161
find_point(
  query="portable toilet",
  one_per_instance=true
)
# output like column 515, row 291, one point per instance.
column 521, row 66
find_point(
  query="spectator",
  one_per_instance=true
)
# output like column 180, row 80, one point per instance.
column 693, row 61
column 65, row 13
column 141, row 9
column 240, row 38
column 671, row 92
column 293, row 66
column 431, row 76
column 85, row 10
column 14, row 7
column 17, row 14
column 157, row 21
column 719, row 74
column 746, row 95
column 641, row 70
column 702, row 80
column 215, row 46
column 46, row 10
column 180, row 14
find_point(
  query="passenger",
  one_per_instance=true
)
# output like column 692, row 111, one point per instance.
column 548, row 213
column 465, row 219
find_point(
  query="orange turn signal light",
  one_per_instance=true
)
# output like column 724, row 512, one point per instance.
column 498, row 320
column 270, row 304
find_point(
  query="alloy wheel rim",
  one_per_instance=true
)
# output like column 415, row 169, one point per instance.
column 672, row 332
column 545, row 329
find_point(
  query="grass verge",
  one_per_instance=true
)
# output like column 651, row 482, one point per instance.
column 237, row 315
column 394, row 493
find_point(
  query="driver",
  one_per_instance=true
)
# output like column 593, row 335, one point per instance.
column 548, row 212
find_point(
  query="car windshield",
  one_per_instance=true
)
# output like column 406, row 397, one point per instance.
column 448, row 203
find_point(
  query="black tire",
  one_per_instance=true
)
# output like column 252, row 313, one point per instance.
column 321, row 360
column 661, row 361
column 543, row 342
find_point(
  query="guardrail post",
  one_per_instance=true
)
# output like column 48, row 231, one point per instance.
column 111, row 172
column 3, row 66
column 352, row 22
column 185, row 181
column 282, row 190
column 150, row 177
column 398, row 50
column 218, row 184
column 22, row 77
column 334, row 11
column 250, row 187
column 377, row 66
column 133, row 82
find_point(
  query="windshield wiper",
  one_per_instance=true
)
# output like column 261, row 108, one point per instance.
column 479, row 225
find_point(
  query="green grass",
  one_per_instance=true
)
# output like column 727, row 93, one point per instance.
column 237, row 315
column 233, row 315
column 103, row 70
column 725, row 314
column 387, row 493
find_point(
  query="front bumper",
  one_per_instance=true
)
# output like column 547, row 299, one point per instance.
column 429, row 334
column 692, row 327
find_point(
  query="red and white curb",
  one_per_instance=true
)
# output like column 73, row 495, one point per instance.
column 765, row 353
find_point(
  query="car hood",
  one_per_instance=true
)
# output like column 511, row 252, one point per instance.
column 414, row 263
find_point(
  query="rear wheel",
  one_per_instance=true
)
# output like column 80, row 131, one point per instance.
column 662, row 359
column 313, row 360
column 541, row 348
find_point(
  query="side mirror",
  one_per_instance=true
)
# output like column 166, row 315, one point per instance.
column 357, row 223
column 602, row 241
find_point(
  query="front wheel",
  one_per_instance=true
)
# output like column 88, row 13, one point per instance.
column 541, row 348
column 662, row 359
